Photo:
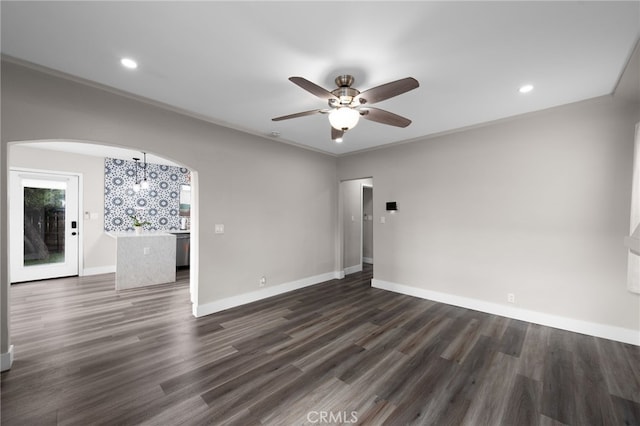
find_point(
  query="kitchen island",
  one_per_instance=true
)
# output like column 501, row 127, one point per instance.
column 144, row 259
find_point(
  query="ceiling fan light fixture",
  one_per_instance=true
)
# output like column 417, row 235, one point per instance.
column 344, row 118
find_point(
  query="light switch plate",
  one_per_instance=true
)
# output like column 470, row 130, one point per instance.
column 219, row 228
column 383, row 219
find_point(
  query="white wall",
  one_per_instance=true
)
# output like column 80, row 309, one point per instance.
column 99, row 250
column 536, row 206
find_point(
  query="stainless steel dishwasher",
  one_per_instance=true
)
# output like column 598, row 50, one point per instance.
column 183, row 242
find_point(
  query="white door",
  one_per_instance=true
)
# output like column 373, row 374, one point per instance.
column 44, row 226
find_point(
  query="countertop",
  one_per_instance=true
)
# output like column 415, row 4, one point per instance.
column 132, row 234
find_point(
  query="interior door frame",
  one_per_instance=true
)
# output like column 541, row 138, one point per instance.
column 79, row 176
column 362, row 223
column 341, row 268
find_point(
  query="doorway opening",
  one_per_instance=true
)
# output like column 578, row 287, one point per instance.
column 357, row 224
column 367, row 224
column 95, row 249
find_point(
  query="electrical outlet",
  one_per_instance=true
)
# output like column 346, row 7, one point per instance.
column 511, row 298
column 146, row 250
column 263, row 281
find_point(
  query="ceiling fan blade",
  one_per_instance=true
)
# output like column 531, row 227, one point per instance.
column 386, row 91
column 384, row 117
column 298, row 114
column 312, row 88
column 336, row 134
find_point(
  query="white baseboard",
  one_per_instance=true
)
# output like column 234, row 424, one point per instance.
column 352, row 269
column 619, row 334
column 263, row 293
column 6, row 359
column 109, row 269
column 368, row 260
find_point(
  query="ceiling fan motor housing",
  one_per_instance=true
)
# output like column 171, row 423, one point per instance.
column 345, row 93
column 345, row 80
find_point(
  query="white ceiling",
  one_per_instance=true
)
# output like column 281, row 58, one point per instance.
column 229, row 62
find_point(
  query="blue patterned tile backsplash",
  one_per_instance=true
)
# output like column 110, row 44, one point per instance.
column 159, row 204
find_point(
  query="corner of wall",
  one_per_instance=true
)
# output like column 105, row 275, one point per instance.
column 628, row 85
column 6, row 359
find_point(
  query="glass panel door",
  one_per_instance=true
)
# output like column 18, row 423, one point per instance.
column 44, row 214
column 44, row 226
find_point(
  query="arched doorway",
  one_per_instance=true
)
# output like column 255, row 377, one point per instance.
column 82, row 150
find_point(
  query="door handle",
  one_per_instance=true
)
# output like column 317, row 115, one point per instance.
column 74, row 233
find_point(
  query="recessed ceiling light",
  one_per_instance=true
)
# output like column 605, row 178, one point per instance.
column 129, row 63
column 338, row 140
column 526, row 88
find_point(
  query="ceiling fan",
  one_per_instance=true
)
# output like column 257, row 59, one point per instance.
column 347, row 104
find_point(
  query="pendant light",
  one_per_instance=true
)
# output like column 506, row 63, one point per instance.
column 145, row 183
column 136, row 186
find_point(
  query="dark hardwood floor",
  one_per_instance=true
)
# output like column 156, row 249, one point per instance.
column 337, row 352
